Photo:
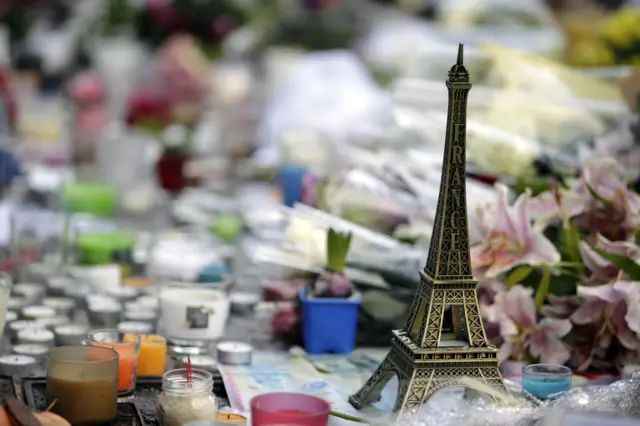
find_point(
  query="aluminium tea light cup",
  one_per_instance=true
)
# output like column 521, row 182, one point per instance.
column 203, row 362
column 104, row 315
column 70, row 334
column 36, row 312
column 33, row 292
column 234, row 353
column 10, row 316
column 54, row 321
column 17, row 326
column 141, row 315
column 62, row 305
column 35, row 350
column 134, row 327
column 16, row 303
column 57, row 286
column 36, row 335
column 123, row 294
column 17, row 365
column 243, row 303
column 37, row 272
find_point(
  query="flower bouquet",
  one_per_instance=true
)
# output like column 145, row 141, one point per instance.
column 559, row 273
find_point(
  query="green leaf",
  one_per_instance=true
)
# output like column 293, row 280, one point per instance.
column 572, row 241
column 598, row 197
column 518, row 275
column 543, row 288
column 625, row 263
column 337, row 250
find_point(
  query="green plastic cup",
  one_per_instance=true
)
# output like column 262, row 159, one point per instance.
column 89, row 197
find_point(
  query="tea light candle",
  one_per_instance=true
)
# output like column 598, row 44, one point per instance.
column 544, row 380
column 17, row 326
column 234, row 353
column 35, row 350
column 142, row 315
column 152, row 360
column 230, row 419
column 203, row 362
column 123, row 293
column 17, row 365
column 106, row 316
column 134, row 327
column 62, row 305
column 56, row 286
column 17, row 303
column 31, row 291
column 70, row 334
column 36, row 335
column 149, row 302
column 10, row 316
column 55, row 321
column 243, row 303
column 38, row 311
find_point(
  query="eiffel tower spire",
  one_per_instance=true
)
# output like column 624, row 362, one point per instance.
column 449, row 249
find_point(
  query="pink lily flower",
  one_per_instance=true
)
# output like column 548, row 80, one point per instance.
column 601, row 269
column 512, row 241
column 614, row 306
column 606, row 179
column 515, row 312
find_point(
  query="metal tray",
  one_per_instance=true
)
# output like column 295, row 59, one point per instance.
column 141, row 412
column 36, row 398
column 7, row 389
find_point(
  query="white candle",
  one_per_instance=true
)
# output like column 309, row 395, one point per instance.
column 234, row 353
column 11, row 365
column 30, row 291
column 16, row 303
column 62, row 305
column 134, row 327
column 33, row 349
column 37, row 312
column 36, row 335
column 10, row 316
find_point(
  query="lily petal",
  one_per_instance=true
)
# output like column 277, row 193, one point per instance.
column 520, row 306
column 605, row 292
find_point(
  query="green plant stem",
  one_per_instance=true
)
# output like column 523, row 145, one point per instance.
column 543, row 288
column 347, row 417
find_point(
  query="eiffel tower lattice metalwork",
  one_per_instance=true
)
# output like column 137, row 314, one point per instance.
column 422, row 364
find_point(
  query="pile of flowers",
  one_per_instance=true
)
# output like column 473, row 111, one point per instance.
column 559, row 272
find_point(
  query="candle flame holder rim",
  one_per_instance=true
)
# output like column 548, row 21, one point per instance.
column 550, row 370
column 176, row 381
column 96, row 361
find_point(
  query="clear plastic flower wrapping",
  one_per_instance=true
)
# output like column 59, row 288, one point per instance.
column 621, row 398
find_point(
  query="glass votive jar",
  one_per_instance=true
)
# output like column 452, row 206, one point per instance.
column 182, row 402
column 83, row 382
column 153, row 354
column 127, row 358
column 289, row 408
column 545, row 380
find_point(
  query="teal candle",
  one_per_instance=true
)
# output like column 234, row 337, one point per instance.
column 543, row 380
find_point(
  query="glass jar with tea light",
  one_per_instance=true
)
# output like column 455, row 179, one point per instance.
column 17, row 365
column 70, row 334
column 128, row 353
column 183, row 400
column 62, row 305
column 33, row 292
column 288, row 409
column 36, row 350
column 83, row 380
column 40, row 336
column 36, row 312
column 544, row 381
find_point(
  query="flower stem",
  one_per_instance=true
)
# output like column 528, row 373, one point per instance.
column 543, row 287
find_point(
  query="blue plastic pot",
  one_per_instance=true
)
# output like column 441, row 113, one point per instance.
column 291, row 178
column 329, row 325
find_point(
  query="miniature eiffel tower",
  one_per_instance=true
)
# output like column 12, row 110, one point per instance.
column 422, row 365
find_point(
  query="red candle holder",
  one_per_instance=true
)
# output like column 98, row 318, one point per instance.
column 289, row 408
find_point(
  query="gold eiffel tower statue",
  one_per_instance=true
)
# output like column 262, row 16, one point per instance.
column 422, row 365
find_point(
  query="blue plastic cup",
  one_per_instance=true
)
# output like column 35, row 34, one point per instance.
column 291, row 178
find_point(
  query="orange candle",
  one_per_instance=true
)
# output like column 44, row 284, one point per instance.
column 153, row 354
column 127, row 362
